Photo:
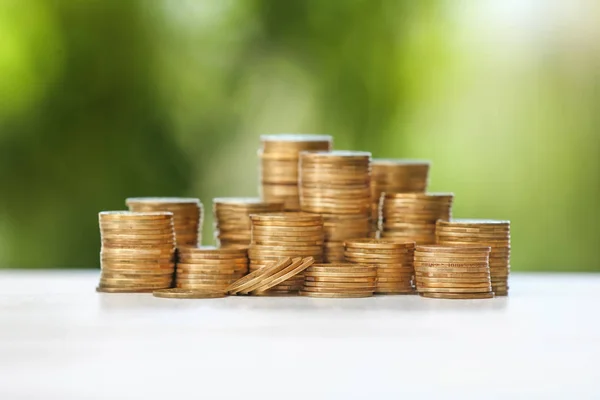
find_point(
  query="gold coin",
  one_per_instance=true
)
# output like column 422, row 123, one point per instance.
column 452, row 275
column 463, row 270
column 314, row 289
column 178, row 293
column 286, row 217
column 475, row 223
column 453, row 290
column 452, row 261
column 335, row 295
column 203, row 286
column 339, row 279
column 308, row 244
column 129, row 215
column 340, row 274
column 285, row 274
column 345, row 268
column 427, row 280
column 421, row 285
column 403, row 291
column 347, row 285
column 487, row 295
column 258, row 275
column 122, row 290
column 453, row 249
column 134, row 286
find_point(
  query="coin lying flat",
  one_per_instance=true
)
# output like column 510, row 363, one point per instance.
column 176, row 293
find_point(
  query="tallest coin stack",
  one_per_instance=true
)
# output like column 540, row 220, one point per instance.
column 279, row 165
column 336, row 185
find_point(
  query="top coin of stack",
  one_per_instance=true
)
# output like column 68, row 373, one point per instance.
column 187, row 215
column 396, row 176
column 232, row 218
column 138, row 251
column 495, row 234
column 336, row 184
column 279, row 165
column 412, row 216
column 393, row 260
column 287, row 234
column 453, row 272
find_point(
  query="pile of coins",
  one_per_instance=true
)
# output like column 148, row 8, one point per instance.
column 187, row 215
column 209, row 268
column 138, row 251
column 393, row 261
column 495, row 234
column 287, row 234
column 232, row 218
column 336, row 185
column 279, row 165
column 450, row 272
column 260, row 281
column 396, row 176
column 341, row 280
column 412, row 216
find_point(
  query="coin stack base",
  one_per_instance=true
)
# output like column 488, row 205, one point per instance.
column 392, row 259
column 138, row 251
column 187, row 215
column 493, row 233
column 232, row 218
column 339, row 280
column 412, row 216
column 453, row 272
column 209, row 268
column 287, row 234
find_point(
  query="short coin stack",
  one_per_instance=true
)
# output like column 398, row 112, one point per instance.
column 138, row 251
column 412, row 216
column 279, row 165
column 209, row 268
column 339, row 280
column 396, row 176
column 452, row 272
column 336, row 184
column 232, row 218
column 393, row 260
column 287, row 234
column 187, row 215
column 495, row 234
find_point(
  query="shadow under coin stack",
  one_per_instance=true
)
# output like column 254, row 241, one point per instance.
column 396, row 176
column 495, row 234
column 393, row 261
column 452, row 272
column 339, row 280
column 187, row 215
column 279, row 165
column 209, row 268
column 412, row 216
column 138, row 251
column 287, row 234
column 232, row 218
column 336, row 185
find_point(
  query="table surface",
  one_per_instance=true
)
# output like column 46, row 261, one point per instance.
column 59, row 339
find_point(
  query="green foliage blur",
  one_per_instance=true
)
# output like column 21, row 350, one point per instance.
column 103, row 100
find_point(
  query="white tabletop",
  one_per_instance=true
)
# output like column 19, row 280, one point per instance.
column 59, row 339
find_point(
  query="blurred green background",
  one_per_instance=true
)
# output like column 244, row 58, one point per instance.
column 101, row 100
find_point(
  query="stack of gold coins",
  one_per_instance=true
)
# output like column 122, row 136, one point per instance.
column 339, row 280
column 138, row 251
column 279, row 165
column 495, row 234
column 287, row 234
column 210, row 268
column 396, row 176
column 412, row 216
column 232, row 218
column 393, row 260
column 453, row 272
column 187, row 215
column 336, row 184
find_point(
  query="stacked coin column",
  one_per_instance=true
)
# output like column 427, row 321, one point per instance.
column 279, row 165
column 138, row 251
column 393, row 261
column 412, row 216
column 453, row 272
column 495, row 234
column 208, row 268
column 337, row 185
column 339, row 280
column 395, row 176
column 187, row 215
column 287, row 234
column 232, row 218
